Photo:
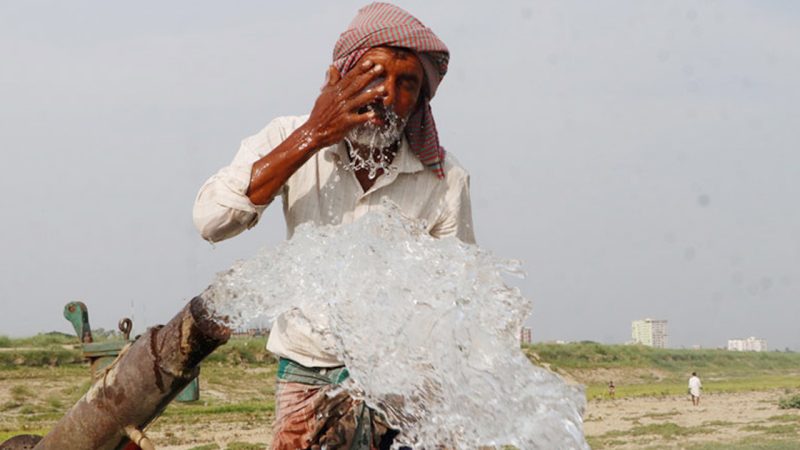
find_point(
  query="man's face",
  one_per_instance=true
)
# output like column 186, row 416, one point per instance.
column 402, row 79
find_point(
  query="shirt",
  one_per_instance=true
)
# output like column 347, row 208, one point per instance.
column 695, row 385
column 324, row 191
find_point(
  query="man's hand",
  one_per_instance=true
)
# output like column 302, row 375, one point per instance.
column 336, row 110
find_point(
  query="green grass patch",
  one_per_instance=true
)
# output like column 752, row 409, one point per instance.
column 667, row 430
column 718, row 423
column 792, row 402
column 251, row 407
column 674, row 387
column 244, row 446
column 784, row 428
column 751, row 443
column 589, row 355
column 8, row 434
column 21, row 393
column 664, row 430
column 39, row 357
column 785, row 418
column 243, row 350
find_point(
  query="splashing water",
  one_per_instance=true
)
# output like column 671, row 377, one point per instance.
column 374, row 139
column 427, row 328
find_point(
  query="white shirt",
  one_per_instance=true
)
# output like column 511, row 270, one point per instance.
column 324, row 191
column 695, row 385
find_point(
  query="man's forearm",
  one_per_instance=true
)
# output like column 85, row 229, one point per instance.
column 271, row 172
column 334, row 114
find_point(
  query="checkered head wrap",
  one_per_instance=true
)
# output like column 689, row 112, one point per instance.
column 383, row 24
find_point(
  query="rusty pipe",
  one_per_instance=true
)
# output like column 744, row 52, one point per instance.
column 137, row 387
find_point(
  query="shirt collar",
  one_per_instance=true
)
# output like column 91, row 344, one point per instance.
column 405, row 161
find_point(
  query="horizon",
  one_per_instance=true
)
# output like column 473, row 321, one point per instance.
column 639, row 158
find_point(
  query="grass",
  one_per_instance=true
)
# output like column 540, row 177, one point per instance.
column 782, row 429
column 244, row 446
column 663, row 372
column 745, row 444
column 249, row 407
column 593, row 355
column 792, row 402
column 673, row 387
column 237, row 389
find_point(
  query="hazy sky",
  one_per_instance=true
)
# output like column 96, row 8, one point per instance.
column 641, row 157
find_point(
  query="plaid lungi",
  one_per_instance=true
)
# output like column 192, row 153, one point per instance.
column 314, row 413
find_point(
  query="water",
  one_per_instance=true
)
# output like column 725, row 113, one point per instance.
column 374, row 139
column 428, row 329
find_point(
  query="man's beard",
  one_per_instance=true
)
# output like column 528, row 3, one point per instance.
column 376, row 137
column 372, row 140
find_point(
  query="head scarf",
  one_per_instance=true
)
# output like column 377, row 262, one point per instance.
column 383, row 24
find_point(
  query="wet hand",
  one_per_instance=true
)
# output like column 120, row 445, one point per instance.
column 336, row 110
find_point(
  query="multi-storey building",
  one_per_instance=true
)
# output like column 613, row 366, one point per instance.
column 649, row 332
column 750, row 344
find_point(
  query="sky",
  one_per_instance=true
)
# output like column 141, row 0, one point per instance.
column 640, row 157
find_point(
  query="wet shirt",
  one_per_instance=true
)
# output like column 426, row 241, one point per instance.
column 325, row 192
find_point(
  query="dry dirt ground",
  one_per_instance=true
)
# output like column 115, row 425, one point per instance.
column 622, row 423
column 235, row 411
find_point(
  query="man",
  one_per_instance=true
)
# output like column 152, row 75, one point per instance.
column 694, row 388
column 369, row 136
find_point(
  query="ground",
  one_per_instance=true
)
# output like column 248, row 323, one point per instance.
column 672, row 422
column 652, row 411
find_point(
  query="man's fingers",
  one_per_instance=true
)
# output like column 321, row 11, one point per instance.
column 333, row 76
column 365, row 98
column 360, row 81
column 356, row 119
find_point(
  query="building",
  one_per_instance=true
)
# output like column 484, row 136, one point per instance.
column 525, row 335
column 750, row 344
column 649, row 332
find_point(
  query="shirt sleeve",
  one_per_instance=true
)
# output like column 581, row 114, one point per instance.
column 222, row 209
column 456, row 219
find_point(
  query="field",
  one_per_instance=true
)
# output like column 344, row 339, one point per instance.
column 41, row 377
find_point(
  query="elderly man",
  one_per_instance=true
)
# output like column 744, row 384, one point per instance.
column 370, row 136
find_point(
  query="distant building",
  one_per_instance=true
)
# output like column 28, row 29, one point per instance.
column 649, row 332
column 525, row 335
column 750, row 344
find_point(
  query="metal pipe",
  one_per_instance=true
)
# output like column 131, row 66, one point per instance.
column 137, row 387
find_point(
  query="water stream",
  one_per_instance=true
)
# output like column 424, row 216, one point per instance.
column 428, row 328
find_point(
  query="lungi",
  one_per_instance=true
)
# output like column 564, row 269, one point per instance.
column 313, row 413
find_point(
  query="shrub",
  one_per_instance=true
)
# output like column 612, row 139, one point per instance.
column 790, row 402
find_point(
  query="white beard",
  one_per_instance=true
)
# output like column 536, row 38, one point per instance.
column 375, row 139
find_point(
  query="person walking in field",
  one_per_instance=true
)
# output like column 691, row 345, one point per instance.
column 694, row 388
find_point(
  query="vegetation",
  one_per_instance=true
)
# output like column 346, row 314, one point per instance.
column 709, row 362
column 790, row 402
column 42, row 376
column 663, row 372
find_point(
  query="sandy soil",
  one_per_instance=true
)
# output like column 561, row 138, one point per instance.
column 612, row 423
column 722, row 415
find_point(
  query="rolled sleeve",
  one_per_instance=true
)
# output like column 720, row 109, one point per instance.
column 222, row 209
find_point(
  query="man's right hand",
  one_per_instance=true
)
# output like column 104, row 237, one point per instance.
column 336, row 110
column 335, row 113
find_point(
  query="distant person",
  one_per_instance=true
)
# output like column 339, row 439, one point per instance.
column 612, row 390
column 694, row 388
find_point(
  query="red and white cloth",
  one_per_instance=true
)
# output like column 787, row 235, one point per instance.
column 383, row 24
